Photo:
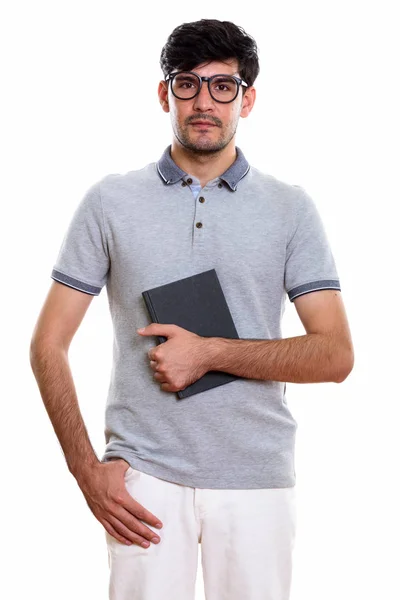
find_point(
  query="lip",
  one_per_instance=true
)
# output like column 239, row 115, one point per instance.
column 202, row 124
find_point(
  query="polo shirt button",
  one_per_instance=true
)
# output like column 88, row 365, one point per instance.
column 201, row 199
column 184, row 183
column 198, row 225
column 220, row 185
column 189, row 181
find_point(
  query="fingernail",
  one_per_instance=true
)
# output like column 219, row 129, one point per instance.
column 155, row 540
column 158, row 525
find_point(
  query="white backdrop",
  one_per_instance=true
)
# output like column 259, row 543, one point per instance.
column 80, row 101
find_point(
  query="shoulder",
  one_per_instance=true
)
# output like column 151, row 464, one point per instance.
column 268, row 181
column 133, row 178
column 282, row 194
column 118, row 189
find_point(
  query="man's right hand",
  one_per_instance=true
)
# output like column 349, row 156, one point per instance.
column 110, row 502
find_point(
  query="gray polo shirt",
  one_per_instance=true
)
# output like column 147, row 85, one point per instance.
column 148, row 227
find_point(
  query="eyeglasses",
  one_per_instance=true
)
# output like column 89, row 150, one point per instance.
column 186, row 85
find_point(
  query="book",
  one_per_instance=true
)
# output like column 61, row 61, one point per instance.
column 196, row 303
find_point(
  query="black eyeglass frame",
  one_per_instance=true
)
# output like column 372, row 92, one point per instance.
column 239, row 82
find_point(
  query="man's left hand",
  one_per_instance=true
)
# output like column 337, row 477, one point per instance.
column 179, row 361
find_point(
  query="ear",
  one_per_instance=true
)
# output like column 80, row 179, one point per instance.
column 163, row 95
column 248, row 101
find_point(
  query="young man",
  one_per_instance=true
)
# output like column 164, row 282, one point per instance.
column 218, row 467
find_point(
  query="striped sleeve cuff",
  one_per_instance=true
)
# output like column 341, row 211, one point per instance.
column 313, row 286
column 75, row 283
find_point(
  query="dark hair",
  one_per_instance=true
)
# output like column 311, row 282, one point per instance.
column 192, row 44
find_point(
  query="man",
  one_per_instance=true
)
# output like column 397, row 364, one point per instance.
column 218, row 467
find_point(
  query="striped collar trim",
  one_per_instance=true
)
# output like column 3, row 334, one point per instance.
column 171, row 173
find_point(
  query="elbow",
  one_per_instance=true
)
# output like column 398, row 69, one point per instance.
column 32, row 351
column 345, row 366
column 34, row 354
column 41, row 348
column 35, row 349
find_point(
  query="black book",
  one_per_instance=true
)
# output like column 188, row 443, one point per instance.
column 196, row 303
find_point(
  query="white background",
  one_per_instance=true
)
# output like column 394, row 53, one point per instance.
column 80, row 101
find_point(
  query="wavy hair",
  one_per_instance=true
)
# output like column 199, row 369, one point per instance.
column 192, row 44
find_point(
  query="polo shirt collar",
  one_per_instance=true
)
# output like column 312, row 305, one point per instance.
column 171, row 173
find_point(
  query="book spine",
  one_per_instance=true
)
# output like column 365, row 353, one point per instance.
column 153, row 314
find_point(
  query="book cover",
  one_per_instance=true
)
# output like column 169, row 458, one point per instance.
column 198, row 304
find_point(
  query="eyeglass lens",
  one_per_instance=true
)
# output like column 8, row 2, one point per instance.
column 186, row 85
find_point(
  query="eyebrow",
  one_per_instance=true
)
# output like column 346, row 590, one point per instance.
column 228, row 74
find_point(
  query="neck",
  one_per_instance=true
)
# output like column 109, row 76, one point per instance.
column 206, row 166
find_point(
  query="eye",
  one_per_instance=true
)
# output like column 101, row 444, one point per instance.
column 224, row 84
column 185, row 82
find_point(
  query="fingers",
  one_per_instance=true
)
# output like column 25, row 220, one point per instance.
column 137, row 533
column 110, row 529
column 120, row 514
column 127, row 517
column 140, row 512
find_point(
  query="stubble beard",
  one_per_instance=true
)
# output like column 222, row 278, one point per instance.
column 202, row 146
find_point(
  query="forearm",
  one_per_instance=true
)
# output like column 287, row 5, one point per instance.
column 53, row 375
column 309, row 358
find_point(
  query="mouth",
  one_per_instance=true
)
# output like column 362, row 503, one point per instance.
column 202, row 124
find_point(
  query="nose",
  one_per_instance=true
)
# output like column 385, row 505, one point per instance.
column 203, row 100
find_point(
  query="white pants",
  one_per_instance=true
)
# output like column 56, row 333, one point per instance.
column 246, row 537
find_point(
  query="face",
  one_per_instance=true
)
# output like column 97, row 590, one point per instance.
column 223, row 118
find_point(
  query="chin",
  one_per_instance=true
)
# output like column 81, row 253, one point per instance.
column 206, row 144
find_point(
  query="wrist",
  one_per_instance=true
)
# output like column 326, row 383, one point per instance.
column 210, row 353
column 84, row 469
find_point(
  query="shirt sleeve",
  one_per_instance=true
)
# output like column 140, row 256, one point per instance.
column 83, row 260
column 310, row 265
